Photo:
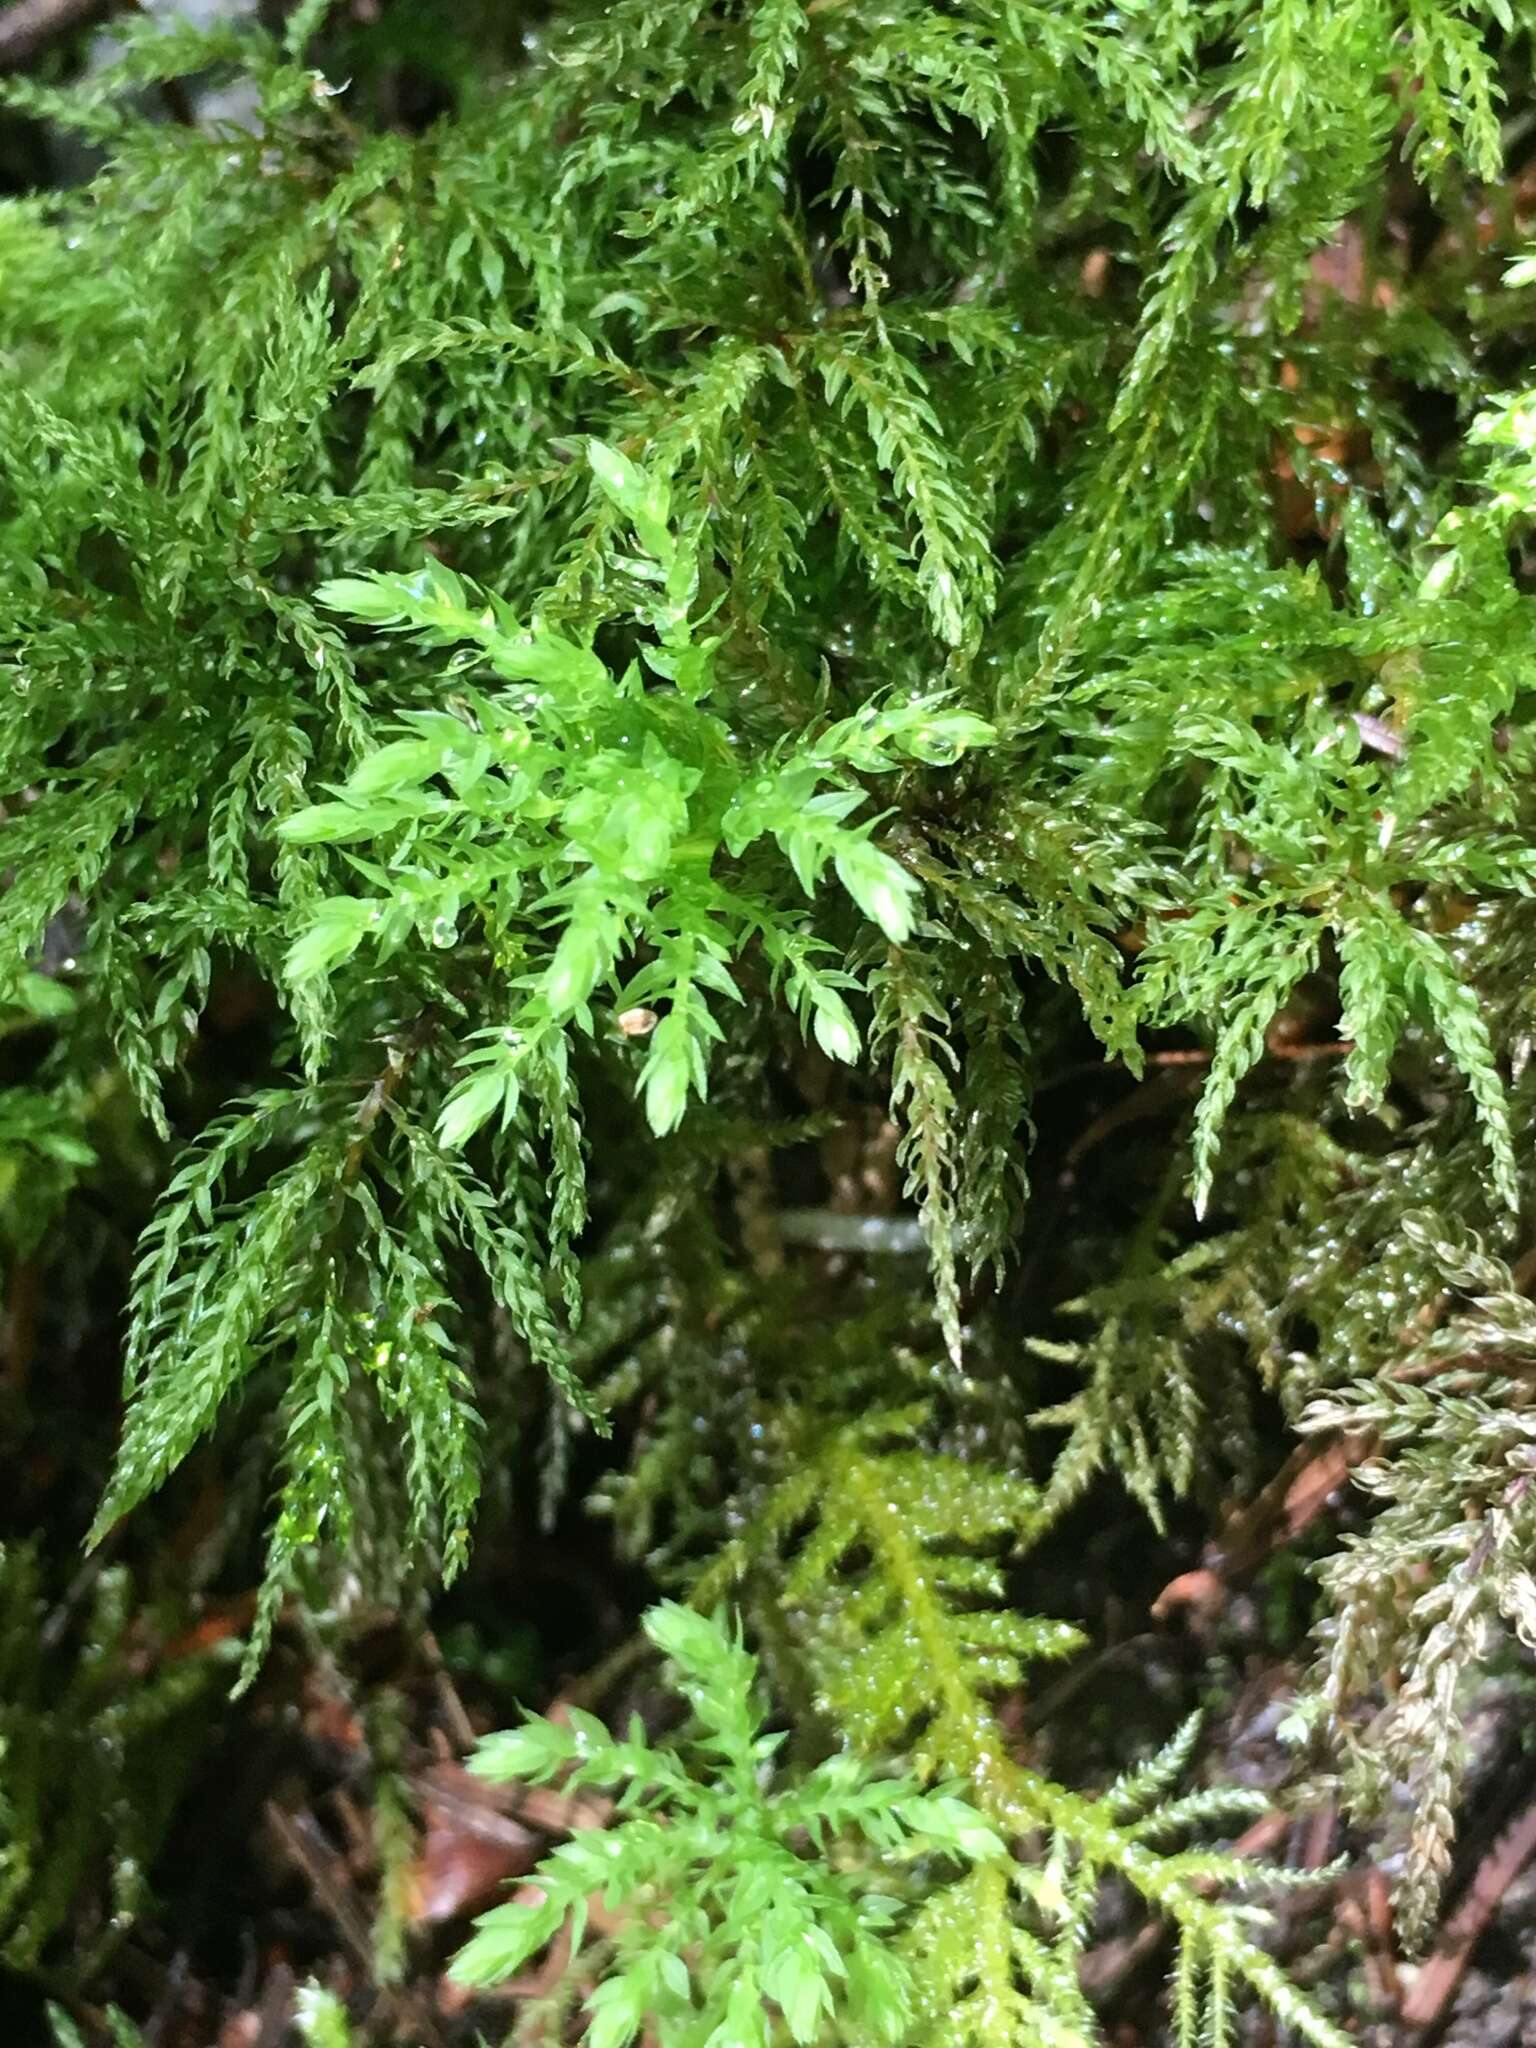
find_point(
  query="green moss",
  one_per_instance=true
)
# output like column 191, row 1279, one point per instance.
column 776, row 565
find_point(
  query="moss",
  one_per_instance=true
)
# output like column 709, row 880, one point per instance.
column 751, row 609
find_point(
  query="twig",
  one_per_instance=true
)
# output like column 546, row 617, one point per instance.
column 305, row 1848
column 460, row 1727
column 592, row 1686
column 1288, row 1505
column 1104, row 1969
column 1148, row 1098
column 1047, row 1706
column 276, row 2008
column 1428, row 1999
column 300, row 1839
column 1365, row 1916
column 28, row 26
column 56, row 1624
column 500, row 1809
column 1304, row 1488
column 402, row 1052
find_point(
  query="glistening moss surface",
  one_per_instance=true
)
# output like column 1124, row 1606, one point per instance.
column 769, row 563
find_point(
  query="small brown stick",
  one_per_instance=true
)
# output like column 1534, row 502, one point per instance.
column 402, row 1052
column 1283, row 1509
column 541, row 1806
column 306, row 1849
column 587, row 1690
column 276, row 2008
column 330, row 1883
column 1278, row 1049
column 1288, row 1505
column 1380, row 1929
column 1104, row 1969
column 558, row 1814
column 1151, row 1097
column 1048, row 1705
column 28, row 26
column 460, row 1727
column 1428, row 1999
column 1318, row 1836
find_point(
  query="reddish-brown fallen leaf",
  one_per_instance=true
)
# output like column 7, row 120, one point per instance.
column 470, row 1847
column 458, row 1872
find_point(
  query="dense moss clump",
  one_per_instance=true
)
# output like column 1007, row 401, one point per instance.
column 656, row 654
